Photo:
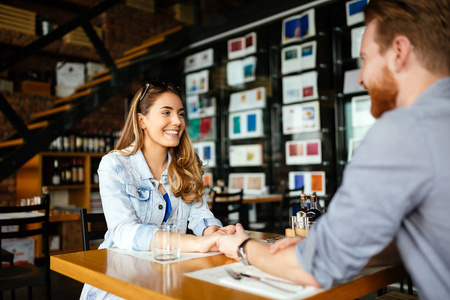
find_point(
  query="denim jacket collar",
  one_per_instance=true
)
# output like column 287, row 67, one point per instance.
column 140, row 166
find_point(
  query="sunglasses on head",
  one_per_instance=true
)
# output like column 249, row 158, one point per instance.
column 158, row 85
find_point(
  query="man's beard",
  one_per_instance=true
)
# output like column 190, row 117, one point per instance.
column 383, row 93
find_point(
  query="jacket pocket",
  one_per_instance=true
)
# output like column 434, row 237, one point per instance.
column 140, row 198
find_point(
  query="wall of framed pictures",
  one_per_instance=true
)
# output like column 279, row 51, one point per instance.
column 268, row 108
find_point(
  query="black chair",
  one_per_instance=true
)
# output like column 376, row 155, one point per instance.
column 291, row 198
column 221, row 203
column 8, row 257
column 93, row 227
column 30, row 223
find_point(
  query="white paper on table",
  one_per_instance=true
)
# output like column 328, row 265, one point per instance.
column 148, row 255
column 246, row 155
column 354, row 11
column 292, row 89
column 361, row 115
column 250, row 99
column 351, row 84
column 235, row 74
column 304, row 152
column 309, row 86
column 291, row 60
column 308, row 55
column 357, row 34
column 219, row 276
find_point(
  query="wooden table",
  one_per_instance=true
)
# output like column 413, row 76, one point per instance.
column 133, row 278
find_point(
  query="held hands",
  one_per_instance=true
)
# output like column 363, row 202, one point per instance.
column 211, row 235
column 228, row 244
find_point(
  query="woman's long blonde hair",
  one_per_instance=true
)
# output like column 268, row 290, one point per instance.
column 186, row 169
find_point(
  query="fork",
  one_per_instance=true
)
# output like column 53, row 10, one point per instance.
column 239, row 276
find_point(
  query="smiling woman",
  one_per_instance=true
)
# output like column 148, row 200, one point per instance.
column 154, row 176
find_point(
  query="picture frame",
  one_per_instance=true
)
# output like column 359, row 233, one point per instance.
column 245, row 124
column 299, row 27
column 302, row 117
column 303, row 152
column 199, row 60
column 206, row 151
column 354, row 11
column 312, row 182
column 249, row 99
column 246, row 155
column 251, row 183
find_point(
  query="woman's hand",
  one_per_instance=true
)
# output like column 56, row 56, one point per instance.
column 207, row 243
column 283, row 244
column 230, row 229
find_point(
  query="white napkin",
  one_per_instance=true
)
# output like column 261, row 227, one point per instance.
column 219, row 276
column 148, row 255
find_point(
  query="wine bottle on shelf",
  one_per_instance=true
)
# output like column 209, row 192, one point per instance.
column 314, row 211
column 68, row 173
column 79, row 143
column 66, row 143
column 96, row 141
column 101, row 141
column 90, row 141
column 74, row 171
column 80, row 170
column 108, row 141
column 56, row 175
column 72, row 142
column 85, row 142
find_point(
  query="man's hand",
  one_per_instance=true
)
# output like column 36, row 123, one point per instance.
column 229, row 243
column 283, row 244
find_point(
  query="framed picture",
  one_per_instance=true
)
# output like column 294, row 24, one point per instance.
column 357, row 34
column 301, row 87
column 246, row 124
column 310, row 181
column 250, row 99
column 252, row 183
column 199, row 106
column 304, row 152
column 199, row 60
column 202, row 129
column 242, row 46
column 208, row 179
column 303, row 117
column 353, row 143
column 354, row 11
column 207, row 153
column 197, row 83
column 299, row 27
column 246, row 155
column 361, row 115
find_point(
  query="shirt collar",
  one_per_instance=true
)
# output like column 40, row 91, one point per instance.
column 141, row 167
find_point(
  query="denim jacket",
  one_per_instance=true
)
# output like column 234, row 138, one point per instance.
column 134, row 206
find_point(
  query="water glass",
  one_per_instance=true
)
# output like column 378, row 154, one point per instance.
column 166, row 243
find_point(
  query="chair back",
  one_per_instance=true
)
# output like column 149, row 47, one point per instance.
column 31, row 221
column 225, row 203
column 291, row 198
column 93, row 227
